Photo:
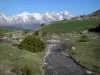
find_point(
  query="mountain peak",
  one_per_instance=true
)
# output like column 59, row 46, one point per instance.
column 23, row 14
column 66, row 12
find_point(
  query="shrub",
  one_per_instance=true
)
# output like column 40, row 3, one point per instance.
column 10, row 35
column 64, row 19
column 84, row 38
column 42, row 24
column 36, row 33
column 33, row 44
column 82, row 15
column 43, row 34
column 26, row 31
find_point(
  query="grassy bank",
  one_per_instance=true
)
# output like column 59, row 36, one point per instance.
column 12, row 57
column 86, row 53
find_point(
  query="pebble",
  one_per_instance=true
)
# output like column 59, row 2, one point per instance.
column 11, row 54
column 89, row 72
column 73, row 48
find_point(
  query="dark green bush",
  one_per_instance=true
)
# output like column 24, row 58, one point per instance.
column 42, row 24
column 43, row 34
column 64, row 19
column 36, row 33
column 26, row 31
column 33, row 44
column 84, row 38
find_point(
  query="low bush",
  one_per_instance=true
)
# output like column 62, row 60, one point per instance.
column 43, row 34
column 33, row 44
column 84, row 38
column 26, row 31
column 42, row 24
column 36, row 33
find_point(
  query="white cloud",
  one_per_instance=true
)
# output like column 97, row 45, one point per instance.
column 32, row 19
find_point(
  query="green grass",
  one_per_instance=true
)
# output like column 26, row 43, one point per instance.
column 69, row 25
column 88, row 54
column 5, row 30
column 18, row 59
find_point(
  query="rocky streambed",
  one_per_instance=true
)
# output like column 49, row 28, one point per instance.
column 58, row 62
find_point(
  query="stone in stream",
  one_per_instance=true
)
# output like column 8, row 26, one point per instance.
column 58, row 63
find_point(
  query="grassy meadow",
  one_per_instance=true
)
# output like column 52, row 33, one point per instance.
column 71, row 25
column 12, row 58
column 6, row 30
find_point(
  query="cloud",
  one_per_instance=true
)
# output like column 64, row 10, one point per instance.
column 26, row 19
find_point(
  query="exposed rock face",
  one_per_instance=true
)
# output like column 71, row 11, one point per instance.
column 58, row 62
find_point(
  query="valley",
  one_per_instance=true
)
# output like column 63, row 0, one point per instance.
column 83, row 46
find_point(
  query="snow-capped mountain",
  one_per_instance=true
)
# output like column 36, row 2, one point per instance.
column 27, row 20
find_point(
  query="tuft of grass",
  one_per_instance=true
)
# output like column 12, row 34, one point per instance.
column 36, row 33
column 84, row 38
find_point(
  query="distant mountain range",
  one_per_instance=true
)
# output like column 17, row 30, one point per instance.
column 26, row 20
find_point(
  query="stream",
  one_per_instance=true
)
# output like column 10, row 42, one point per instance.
column 58, row 62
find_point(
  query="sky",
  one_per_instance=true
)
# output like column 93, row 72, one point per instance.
column 75, row 7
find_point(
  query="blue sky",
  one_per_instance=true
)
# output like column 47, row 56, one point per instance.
column 76, row 7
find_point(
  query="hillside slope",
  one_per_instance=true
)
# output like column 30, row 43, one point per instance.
column 70, row 25
column 95, row 14
column 6, row 30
